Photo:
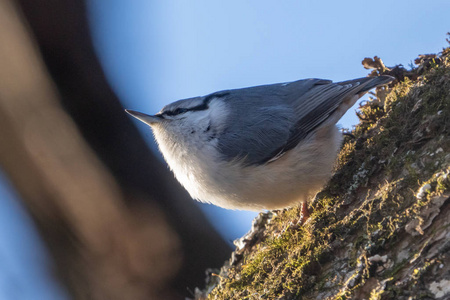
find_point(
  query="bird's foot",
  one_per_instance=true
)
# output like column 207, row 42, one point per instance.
column 304, row 213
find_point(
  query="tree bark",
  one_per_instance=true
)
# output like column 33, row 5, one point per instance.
column 380, row 228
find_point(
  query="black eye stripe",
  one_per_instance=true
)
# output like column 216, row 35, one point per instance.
column 180, row 111
column 203, row 106
column 175, row 112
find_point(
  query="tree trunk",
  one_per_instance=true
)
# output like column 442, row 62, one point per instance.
column 380, row 229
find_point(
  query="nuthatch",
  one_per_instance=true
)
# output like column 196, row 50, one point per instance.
column 264, row 147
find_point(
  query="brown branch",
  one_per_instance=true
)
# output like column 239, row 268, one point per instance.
column 110, row 237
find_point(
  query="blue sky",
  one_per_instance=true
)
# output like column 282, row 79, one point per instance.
column 24, row 264
column 155, row 52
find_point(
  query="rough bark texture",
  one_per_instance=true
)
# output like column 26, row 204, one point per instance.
column 115, row 221
column 381, row 228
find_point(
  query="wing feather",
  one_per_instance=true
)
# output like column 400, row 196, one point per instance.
column 267, row 121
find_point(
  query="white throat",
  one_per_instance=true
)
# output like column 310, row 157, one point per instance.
column 189, row 142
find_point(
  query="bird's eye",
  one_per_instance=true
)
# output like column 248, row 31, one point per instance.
column 175, row 112
column 180, row 111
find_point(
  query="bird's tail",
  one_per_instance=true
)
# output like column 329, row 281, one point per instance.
column 376, row 81
column 368, row 83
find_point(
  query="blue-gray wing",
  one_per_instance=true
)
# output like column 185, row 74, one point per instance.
column 267, row 121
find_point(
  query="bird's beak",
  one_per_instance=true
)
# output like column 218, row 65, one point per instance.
column 147, row 119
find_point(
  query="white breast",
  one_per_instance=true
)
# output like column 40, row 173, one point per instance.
column 285, row 182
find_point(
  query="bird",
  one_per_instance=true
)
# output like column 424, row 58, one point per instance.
column 267, row 147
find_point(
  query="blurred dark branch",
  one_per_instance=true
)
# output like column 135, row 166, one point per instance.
column 114, row 219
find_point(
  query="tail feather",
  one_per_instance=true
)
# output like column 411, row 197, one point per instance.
column 376, row 81
column 369, row 82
